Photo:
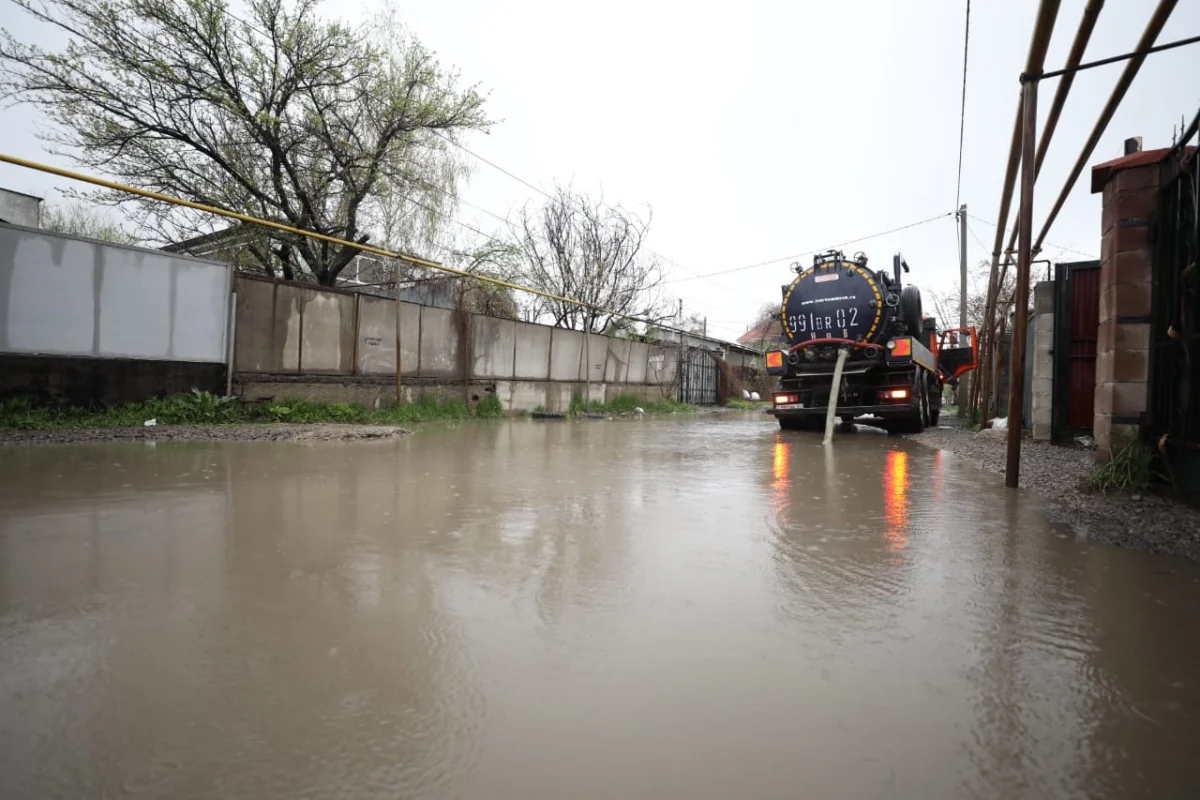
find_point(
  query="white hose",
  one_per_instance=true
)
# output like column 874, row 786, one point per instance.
column 834, row 391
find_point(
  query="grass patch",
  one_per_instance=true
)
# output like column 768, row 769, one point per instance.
column 1131, row 469
column 626, row 404
column 203, row 408
column 489, row 407
column 747, row 405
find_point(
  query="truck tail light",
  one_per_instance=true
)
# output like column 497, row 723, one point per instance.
column 895, row 394
column 785, row 399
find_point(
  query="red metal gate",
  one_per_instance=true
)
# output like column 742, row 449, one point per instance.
column 1076, row 329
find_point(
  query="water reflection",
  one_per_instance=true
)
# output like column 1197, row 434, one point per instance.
column 895, row 493
column 696, row 608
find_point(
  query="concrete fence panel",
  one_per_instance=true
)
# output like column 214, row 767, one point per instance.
column 377, row 337
column 566, row 355
column 327, row 333
column 254, row 339
column 289, row 308
column 662, row 365
column 595, row 355
column 493, row 341
column 376, row 354
column 439, row 343
column 532, row 358
column 62, row 295
column 636, row 371
column 616, row 366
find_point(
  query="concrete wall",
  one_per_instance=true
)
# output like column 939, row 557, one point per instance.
column 494, row 344
column 287, row 329
column 20, row 209
column 1041, row 346
column 65, row 296
column 532, row 358
column 566, row 355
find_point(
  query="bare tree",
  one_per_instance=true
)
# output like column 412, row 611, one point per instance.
column 946, row 302
column 285, row 116
column 584, row 250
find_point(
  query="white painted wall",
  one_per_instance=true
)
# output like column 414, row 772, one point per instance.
column 60, row 295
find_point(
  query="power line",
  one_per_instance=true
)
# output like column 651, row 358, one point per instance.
column 524, row 182
column 1052, row 244
column 820, row 250
column 962, row 124
column 976, row 238
column 492, row 164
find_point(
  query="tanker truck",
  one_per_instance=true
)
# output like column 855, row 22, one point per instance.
column 896, row 362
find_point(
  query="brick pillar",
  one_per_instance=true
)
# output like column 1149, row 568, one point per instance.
column 1123, row 349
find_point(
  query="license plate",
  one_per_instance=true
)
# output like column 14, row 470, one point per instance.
column 789, row 406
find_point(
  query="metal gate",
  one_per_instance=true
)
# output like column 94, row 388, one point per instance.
column 697, row 377
column 1076, row 329
column 1173, row 410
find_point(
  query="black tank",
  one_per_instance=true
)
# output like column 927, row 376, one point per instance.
column 839, row 299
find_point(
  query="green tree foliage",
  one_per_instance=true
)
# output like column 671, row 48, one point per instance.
column 78, row 219
column 277, row 113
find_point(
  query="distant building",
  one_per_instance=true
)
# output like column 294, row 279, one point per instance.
column 763, row 335
column 18, row 208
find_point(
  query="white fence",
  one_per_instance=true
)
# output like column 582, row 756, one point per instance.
column 60, row 295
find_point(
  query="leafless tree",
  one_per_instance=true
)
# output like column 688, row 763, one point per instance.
column 581, row 249
column 286, row 116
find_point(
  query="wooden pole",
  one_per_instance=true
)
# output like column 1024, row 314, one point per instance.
column 1016, row 370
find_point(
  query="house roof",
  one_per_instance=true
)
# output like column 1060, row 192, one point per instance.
column 767, row 330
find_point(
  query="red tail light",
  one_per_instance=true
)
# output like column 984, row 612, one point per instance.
column 895, row 394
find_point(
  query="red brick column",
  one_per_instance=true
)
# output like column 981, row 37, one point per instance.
column 1130, row 187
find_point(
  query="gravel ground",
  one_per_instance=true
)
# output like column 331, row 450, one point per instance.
column 1143, row 522
column 205, row 433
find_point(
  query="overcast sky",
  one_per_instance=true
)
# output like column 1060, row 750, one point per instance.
column 758, row 130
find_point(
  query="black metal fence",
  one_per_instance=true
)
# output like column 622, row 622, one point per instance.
column 1173, row 408
column 697, row 377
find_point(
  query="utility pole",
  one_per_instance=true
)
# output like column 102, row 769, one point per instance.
column 962, row 266
column 1016, row 370
column 964, row 390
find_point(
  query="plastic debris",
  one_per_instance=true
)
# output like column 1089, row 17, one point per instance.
column 1000, row 423
column 150, row 423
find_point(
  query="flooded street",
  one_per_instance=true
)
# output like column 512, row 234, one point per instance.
column 700, row 608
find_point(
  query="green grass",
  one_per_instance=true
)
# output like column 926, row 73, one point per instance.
column 748, row 405
column 202, row 408
column 1131, row 469
column 626, row 404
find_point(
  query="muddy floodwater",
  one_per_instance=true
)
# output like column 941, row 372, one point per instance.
column 691, row 608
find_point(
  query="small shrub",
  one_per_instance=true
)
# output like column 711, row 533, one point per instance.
column 490, row 407
column 1131, row 469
